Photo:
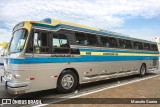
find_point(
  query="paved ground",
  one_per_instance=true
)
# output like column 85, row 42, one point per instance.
column 149, row 88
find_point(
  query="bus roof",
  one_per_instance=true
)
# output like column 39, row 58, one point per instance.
column 55, row 22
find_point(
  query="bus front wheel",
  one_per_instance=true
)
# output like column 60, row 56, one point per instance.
column 142, row 70
column 67, row 82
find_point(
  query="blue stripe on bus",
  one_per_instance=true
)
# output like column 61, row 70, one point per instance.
column 47, row 26
column 31, row 60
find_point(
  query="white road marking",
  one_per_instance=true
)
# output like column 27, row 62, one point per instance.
column 95, row 91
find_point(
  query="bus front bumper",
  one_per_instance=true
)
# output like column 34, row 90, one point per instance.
column 15, row 88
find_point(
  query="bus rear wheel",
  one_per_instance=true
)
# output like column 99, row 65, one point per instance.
column 142, row 70
column 67, row 82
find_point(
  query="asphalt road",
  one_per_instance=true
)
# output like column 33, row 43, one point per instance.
column 83, row 89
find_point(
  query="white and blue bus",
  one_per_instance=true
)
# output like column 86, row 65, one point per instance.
column 52, row 54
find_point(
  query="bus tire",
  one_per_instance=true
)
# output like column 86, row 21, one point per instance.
column 142, row 70
column 67, row 82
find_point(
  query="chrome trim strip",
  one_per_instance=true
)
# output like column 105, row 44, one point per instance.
column 104, row 48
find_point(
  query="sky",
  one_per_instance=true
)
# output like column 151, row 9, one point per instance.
column 137, row 18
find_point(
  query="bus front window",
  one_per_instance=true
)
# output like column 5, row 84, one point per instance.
column 18, row 41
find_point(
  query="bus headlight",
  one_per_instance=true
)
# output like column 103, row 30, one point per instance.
column 16, row 76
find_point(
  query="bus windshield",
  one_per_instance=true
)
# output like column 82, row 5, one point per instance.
column 18, row 41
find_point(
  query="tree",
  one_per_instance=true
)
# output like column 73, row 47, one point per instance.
column 4, row 44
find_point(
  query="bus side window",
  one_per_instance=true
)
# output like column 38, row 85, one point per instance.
column 63, row 40
column 42, row 45
column 81, row 38
column 112, row 42
column 154, row 47
column 125, row 44
column 32, row 43
column 128, row 44
column 60, row 43
column 92, row 39
column 105, row 41
column 137, row 45
column 39, row 43
column 56, row 43
column 122, row 43
column 146, row 46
